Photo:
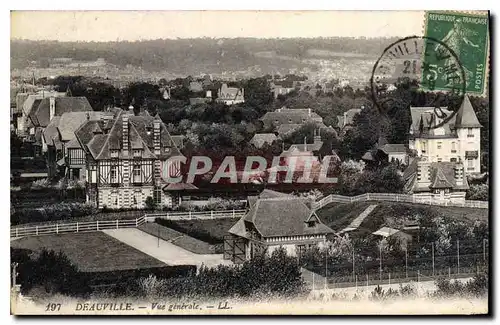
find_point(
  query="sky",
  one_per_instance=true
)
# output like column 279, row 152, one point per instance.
column 143, row 25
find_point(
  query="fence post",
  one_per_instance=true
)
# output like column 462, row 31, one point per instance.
column 57, row 228
column 136, row 222
column 367, row 279
column 313, row 281
column 190, row 215
column 17, row 234
column 211, row 214
column 458, row 257
column 116, row 223
column 233, row 213
column 37, row 230
column 484, row 250
column 389, row 278
column 97, row 224
column 77, row 227
column 449, row 272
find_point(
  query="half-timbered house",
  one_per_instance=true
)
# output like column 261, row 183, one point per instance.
column 127, row 161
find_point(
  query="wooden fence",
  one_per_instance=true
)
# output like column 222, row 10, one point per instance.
column 116, row 224
column 75, row 227
column 392, row 197
column 197, row 215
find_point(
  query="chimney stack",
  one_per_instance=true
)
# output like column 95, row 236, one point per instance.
column 423, row 173
column 156, row 136
column 52, row 108
column 125, row 134
column 459, row 173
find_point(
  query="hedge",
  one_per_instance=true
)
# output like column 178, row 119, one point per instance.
column 53, row 212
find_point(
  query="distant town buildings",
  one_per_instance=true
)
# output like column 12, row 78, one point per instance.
column 286, row 120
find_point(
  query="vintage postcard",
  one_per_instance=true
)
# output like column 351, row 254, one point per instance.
column 250, row 162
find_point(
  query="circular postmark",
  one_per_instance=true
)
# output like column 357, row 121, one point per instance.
column 419, row 63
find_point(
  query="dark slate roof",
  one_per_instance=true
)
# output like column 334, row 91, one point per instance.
column 280, row 216
column 73, row 144
column 140, row 137
column 71, row 121
column 50, row 133
column 291, row 116
column 259, row 139
column 393, row 148
column 426, row 118
column 466, row 117
column 179, row 187
column 178, row 140
column 442, row 176
column 62, row 105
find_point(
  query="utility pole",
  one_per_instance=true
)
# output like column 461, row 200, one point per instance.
column 380, row 253
column 14, row 274
column 484, row 250
column 326, row 264
column 406, row 261
column 433, row 259
column 353, row 269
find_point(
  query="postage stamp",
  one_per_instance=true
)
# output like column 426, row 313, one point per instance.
column 468, row 36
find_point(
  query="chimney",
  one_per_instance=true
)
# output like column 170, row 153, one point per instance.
column 156, row 136
column 423, row 173
column 459, row 173
column 52, row 108
column 125, row 134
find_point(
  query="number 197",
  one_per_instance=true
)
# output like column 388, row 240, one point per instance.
column 53, row 307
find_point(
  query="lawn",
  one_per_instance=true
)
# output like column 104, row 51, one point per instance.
column 92, row 251
column 180, row 239
column 339, row 215
column 211, row 231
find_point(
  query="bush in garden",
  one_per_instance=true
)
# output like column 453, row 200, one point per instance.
column 53, row 212
column 276, row 274
column 478, row 192
column 40, row 184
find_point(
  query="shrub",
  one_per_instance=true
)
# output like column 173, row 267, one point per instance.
column 53, row 212
column 276, row 274
column 478, row 192
column 40, row 184
column 150, row 204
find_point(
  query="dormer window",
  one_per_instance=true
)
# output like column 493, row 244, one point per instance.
column 114, row 153
column 311, row 223
column 167, row 149
column 149, row 130
column 137, row 153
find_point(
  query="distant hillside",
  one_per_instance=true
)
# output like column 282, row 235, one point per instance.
column 192, row 56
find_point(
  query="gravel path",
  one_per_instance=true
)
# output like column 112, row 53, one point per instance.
column 166, row 252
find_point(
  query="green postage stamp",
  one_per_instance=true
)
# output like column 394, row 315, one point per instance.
column 467, row 36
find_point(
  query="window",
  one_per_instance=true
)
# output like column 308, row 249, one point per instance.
column 311, row 223
column 440, row 159
column 439, row 145
column 167, row 149
column 138, row 199
column 470, row 164
column 136, row 173
column 114, row 200
column 114, row 153
column 137, row 153
column 453, row 159
column 113, row 174
column 470, row 133
column 424, row 147
column 157, row 195
column 453, row 147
